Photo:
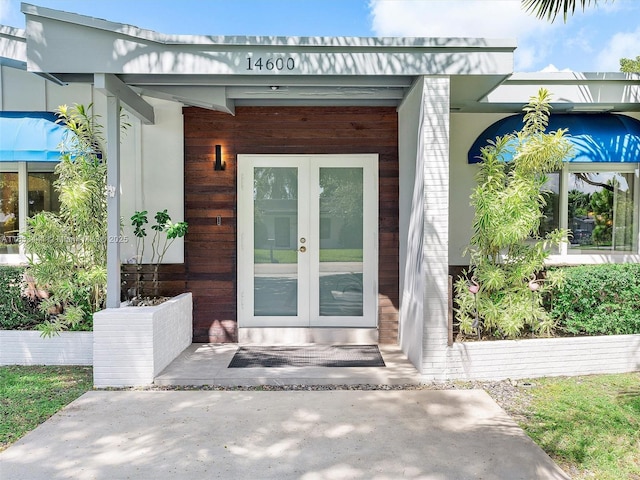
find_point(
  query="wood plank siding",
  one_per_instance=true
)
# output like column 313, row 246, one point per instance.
column 210, row 249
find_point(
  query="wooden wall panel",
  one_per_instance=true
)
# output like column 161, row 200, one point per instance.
column 210, row 249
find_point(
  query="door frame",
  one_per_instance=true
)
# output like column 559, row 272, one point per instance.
column 308, row 163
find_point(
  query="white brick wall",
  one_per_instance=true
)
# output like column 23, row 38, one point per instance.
column 543, row 357
column 133, row 344
column 30, row 348
column 436, row 225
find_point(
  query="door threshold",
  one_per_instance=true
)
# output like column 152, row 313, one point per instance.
column 291, row 335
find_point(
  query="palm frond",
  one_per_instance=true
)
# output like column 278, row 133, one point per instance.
column 550, row 9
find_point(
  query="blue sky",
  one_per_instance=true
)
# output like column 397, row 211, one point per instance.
column 593, row 40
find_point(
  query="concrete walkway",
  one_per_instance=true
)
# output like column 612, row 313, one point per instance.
column 308, row 435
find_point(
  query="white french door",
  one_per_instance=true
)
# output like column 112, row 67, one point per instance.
column 307, row 240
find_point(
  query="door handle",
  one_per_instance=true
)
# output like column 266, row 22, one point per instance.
column 303, row 249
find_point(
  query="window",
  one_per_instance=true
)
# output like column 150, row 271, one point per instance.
column 25, row 189
column 9, row 212
column 598, row 204
column 601, row 212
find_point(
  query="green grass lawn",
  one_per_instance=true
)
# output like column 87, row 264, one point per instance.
column 30, row 395
column 589, row 425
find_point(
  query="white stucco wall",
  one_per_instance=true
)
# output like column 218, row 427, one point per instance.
column 152, row 156
column 155, row 179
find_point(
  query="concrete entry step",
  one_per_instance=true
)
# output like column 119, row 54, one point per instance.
column 207, row 364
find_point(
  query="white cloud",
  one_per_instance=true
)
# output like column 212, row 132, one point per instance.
column 621, row 45
column 467, row 18
column 552, row 68
column 5, row 8
column 10, row 13
column 454, row 18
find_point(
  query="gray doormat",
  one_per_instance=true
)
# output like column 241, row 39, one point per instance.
column 307, row 356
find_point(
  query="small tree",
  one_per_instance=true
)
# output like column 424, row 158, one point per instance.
column 165, row 234
column 507, row 253
column 67, row 251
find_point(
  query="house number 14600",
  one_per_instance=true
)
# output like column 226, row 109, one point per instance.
column 278, row 63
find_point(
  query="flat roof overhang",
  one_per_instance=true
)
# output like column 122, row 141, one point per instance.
column 222, row 72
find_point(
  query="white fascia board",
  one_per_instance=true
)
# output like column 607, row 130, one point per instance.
column 618, row 89
column 572, row 77
column 123, row 49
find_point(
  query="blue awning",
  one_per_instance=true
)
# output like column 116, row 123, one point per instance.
column 30, row 137
column 596, row 137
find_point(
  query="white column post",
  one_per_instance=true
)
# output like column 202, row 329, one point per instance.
column 436, row 226
column 113, row 201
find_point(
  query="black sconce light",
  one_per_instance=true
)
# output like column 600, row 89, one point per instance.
column 219, row 165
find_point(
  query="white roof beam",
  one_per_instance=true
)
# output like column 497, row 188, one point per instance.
column 111, row 85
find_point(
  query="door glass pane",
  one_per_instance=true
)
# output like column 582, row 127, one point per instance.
column 341, row 229
column 601, row 212
column 9, row 219
column 275, row 202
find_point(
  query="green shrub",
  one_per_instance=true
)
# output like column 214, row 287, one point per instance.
column 16, row 313
column 598, row 300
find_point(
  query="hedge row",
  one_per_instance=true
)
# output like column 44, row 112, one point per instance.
column 598, row 300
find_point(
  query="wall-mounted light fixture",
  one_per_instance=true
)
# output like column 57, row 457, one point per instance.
column 219, row 165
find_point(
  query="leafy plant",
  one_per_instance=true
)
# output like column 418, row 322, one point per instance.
column 16, row 311
column 165, row 233
column 598, row 300
column 67, row 250
column 505, row 296
column 630, row 65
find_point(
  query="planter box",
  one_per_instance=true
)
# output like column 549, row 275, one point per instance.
column 543, row 357
column 133, row 344
column 27, row 347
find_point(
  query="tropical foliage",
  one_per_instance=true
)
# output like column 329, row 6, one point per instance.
column 504, row 297
column 550, row 9
column 67, row 250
